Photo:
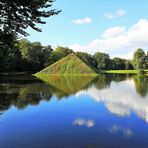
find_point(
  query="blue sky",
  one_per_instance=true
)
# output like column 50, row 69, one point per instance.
column 92, row 25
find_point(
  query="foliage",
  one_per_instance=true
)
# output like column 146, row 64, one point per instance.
column 118, row 64
column 146, row 61
column 34, row 54
column 63, row 51
column 16, row 15
column 87, row 58
column 102, row 61
column 58, row 54
column 139, row 60
column 9, row 53
column 128, row 65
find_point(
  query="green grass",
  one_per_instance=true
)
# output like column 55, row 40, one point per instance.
column 69, row 65
column 146, row 72
column 123, row 71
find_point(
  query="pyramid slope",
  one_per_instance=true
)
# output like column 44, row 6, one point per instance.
column 70, row 64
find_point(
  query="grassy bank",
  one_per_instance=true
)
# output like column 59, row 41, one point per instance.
column 124, row 71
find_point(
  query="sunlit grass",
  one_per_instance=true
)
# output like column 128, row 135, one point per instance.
column 122, row 71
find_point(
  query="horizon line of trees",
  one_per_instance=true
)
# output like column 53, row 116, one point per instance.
column 33, row 56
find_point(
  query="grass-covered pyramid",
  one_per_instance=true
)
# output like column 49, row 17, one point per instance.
column 70, row 64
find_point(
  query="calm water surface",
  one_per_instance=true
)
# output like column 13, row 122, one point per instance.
column 108, row 111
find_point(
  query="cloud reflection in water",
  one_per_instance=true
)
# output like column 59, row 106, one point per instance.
column 120, row 99
column 115, row 129
column 84, row 122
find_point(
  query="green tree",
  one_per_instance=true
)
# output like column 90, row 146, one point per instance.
column 46, row 52
column 34, row 54
column 58, row 54
column 63, row 51
column 25, row 47
column 9, row 53
column 87, row 58
column 17, row 15
column 146, row 60
column 139, row 60
column 118, row 63
column 128, row 65
column 102, row 61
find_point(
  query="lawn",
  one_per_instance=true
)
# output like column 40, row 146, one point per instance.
column 123, row 71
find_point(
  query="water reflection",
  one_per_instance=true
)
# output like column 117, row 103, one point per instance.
column 141, row 84
column 121, row 94
column 105, row 111
column 84, row 122
column 127, row 132
column 130, row 95
column 67, row 85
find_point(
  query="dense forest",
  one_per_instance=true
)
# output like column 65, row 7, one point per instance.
column 32, row 57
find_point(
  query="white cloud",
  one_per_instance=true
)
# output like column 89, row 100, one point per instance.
column 119, row 13
column 109, row 15
column 83, row 122
column 119, row 41
column 85, row 20
column 113, row 32
column 119, row 101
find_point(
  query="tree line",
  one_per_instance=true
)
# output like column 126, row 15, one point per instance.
column 33, row 56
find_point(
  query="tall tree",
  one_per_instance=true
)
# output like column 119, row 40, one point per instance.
column 87, row 58
column 128, row 65
column 146, row 60
column 57, row 54
column 139, row 60
column 15, row 17
column 102, row 61
column 118, row 63
column 9, row 53
column 34, row 54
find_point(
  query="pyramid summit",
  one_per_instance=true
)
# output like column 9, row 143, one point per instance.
column 70, row 64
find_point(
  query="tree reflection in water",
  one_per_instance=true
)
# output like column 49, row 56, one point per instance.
column 23, row 91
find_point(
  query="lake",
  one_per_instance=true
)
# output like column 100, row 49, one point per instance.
column 107, row 111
